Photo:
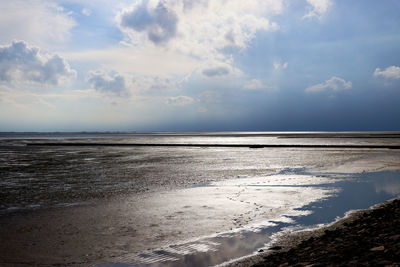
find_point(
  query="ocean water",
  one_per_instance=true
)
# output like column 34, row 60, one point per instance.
column 175, row 205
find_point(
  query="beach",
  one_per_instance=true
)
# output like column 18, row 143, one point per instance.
column 180, row 205
column 364, row 238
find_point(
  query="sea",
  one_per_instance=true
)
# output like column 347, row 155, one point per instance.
column 181, row 199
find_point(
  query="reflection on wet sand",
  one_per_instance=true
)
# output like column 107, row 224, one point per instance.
column 388, row 185
column 340, row 196
column 220, row 221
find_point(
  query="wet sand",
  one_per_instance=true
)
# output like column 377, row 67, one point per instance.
column 364, row 238
column 118, row 230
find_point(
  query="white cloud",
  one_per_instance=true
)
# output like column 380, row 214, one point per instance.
column 216, row 71
column 209, row 97
column 280, row 66
column 113, row 83
column 256, row 84
column 253, row 85
column 153, row 84
column 200, row 29
column 202, row 110
column 179, row 38
column 223, row 23
column 318, row 8
column 40, row 22
column 22, row 63
column 158, row 23
column 146, row 61
column 392, row 72
column 108, row 83
column 86, row 12
column 334, row 83
column 179, row 100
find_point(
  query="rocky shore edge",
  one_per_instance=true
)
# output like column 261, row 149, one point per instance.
column 363, row 238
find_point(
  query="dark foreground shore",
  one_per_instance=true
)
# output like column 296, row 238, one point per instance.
column 365, row 238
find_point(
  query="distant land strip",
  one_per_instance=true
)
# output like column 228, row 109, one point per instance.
column 217, row 145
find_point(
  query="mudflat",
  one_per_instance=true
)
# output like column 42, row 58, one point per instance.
column 177, row 205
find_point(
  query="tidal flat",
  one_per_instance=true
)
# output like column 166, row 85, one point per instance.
column 180, row 205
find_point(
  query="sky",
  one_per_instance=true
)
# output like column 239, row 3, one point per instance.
column 199, row 65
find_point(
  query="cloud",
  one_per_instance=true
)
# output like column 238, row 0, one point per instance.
column 256, row 84
column 149, row 61
column 200, row 29
column 160, row 83
column 253, row 85
column 216, row 71
column 225, row 22
column 317, row 8
column 280, row 66
column 22, row 63
column 112, row 84
column 392, row 72
column 153, row 84
column 202, row 110
column 40, row 22
column 334, row 83
column 159, row 22
column 209, row 97
column 86, row 12
column 179, row 100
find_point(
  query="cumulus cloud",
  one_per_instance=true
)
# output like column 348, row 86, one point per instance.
column 22, row 63
column 216, row 71
column 86, row 12
column 199, row 28
column 392, row 72
column 253, row 85
column 179, row 100
column 209, row 97
column 159, row 22
column 41, row 22
column 200, row 31
column 334, row 83
column 149, row 84
column 108, row 83
column 256, row 84
column 280, row 66
column 160, row 83
column 318, row 8
column 202, row 110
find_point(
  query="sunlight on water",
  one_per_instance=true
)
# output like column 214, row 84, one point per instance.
column 277, row 207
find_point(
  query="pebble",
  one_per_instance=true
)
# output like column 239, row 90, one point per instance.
column 275, row 248
column 380, row 248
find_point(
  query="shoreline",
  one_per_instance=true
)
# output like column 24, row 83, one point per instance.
column 368, row 237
